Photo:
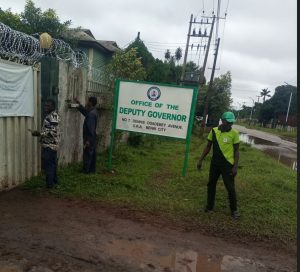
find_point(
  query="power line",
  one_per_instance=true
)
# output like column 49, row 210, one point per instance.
column 162, row 42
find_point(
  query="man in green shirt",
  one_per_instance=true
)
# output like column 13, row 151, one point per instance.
column 225, row 142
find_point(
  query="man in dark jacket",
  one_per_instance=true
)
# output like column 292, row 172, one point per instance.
column 89, row 134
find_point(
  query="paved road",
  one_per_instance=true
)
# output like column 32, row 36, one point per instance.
column 268, row 137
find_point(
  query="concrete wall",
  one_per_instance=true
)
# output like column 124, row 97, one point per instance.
column 72, row 83
column 105, row 115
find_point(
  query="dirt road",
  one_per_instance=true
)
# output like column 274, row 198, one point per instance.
column 40, row 233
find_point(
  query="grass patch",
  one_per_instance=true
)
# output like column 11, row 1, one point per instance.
column 148, row 178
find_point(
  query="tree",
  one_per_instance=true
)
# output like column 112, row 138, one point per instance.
column 168, row 55
column 47, row 21
column 158, row 71
column 34, row 21
column 219, row 98
column 266, row 112
column 265, row 93
column 277, row 105
column 142, row 52
column 178, row 54
column 124, row 65
column 192, row 67
column 13, row 20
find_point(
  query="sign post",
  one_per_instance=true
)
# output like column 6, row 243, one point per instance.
column 157, row 109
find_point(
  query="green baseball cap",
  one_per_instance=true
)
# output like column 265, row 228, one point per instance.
column 228, row 116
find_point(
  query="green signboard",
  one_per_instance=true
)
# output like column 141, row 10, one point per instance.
column 151, row 108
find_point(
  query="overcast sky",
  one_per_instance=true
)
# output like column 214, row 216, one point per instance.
column 258, row 38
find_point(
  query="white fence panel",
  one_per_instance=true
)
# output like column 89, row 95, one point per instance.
column 20, row 156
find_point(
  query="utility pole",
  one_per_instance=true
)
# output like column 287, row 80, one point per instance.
column 186, row 48
column 207, row 49
column 251, row 110
column 197, row 35
column 288, row 110
column 210, row 85
column 201, row 76
column 237, row 118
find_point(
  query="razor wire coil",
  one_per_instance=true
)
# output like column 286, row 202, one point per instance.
column 16, row 45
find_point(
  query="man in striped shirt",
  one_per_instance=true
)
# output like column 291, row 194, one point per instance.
column 50, row 138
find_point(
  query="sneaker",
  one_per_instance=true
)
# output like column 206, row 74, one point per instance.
column 235, row 215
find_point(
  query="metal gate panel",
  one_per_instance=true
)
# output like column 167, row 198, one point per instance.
column 20, row 155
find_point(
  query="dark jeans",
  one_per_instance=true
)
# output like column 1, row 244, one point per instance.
column 89, row 159
column 214, row 173
column 49, row 159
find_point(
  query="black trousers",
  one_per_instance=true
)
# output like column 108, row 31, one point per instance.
column 89, row 159
column 49, row 161
column 214, row 173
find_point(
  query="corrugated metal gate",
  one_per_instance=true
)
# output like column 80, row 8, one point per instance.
column 20, row 157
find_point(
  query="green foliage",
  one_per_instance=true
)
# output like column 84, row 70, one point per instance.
column 47, row 21
column 191, row 67
column 178, row 54
column 124, row 65
column 157, row 70
column 168, row 55
column 280, row 99
column 142, row 52
column 135, row 139
column 14, row 21
column 266, row 112
column 219, row 98
column 265, row 93
column 33, row 20
column 277, row 105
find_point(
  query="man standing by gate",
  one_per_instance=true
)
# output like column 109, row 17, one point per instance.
column 50, row 138
column 225, row 141
column 89, row 134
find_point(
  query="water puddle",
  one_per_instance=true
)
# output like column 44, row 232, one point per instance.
column 281, row 153
column 149, row 257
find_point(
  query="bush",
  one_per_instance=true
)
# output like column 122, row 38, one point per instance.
column 135, row 139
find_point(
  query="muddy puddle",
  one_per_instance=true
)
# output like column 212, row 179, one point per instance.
column 280, row 152
column 149, row 257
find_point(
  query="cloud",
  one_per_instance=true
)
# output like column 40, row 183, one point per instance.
column 259, row 45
